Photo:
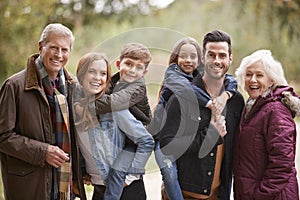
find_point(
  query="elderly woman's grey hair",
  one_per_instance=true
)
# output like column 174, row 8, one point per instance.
column 272, row 67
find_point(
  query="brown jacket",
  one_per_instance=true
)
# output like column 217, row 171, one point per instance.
column 26, row 132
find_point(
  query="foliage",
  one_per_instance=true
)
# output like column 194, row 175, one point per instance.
column 252, row 24
column 20, row 24
column 276, row 26
column 195, row 18
column 281, row 13
column 82, row 12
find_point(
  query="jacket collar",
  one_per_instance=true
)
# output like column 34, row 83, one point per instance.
column 33, row 80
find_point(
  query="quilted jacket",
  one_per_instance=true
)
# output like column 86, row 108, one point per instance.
column 265, row 146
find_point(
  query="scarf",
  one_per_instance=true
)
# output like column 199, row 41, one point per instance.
column 56, row 95
column 248, row 106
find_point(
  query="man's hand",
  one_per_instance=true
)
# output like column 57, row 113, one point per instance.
column 55, row 156
column 219, row 123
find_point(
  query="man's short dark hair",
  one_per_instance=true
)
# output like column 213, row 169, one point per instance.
column 216, row 36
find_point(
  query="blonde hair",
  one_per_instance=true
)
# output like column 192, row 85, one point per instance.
column 272, row 67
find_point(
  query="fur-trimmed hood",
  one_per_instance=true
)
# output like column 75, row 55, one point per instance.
column 289, row 98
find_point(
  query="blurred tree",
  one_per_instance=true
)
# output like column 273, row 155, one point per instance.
column 283, row 12
column 81, row 12
column 22, row 21
column 289, row 12
column 268, row 24
column 20, row 24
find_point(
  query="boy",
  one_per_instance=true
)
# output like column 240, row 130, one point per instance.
column 132, row 65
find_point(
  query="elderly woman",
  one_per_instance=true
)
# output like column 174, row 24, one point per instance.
column 265, row 144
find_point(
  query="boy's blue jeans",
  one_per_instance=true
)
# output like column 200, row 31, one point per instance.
column 133, row 158
column 168, row 169
column 118, row 172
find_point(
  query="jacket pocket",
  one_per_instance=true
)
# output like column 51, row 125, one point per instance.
column 18, row 167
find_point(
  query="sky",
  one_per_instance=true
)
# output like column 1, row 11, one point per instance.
column 161, row 3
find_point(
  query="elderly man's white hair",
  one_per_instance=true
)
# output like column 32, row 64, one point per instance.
column 56, row 28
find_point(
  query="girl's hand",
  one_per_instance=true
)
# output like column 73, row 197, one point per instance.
column 219, row 103
column 213, row 108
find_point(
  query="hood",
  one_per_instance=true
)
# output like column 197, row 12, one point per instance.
column 291, row 100
column 286, row 95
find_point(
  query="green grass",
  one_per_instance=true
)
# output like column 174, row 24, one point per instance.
column 151, row 165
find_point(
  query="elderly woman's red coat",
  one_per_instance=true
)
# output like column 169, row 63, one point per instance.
column 264, row 151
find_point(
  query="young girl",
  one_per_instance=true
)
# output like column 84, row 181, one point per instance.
column 100, row 138
column 184, row 65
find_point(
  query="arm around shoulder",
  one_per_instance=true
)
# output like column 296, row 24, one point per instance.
column 121, row 99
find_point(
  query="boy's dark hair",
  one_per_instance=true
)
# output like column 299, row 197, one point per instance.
column 136, row 51
column 217, row 36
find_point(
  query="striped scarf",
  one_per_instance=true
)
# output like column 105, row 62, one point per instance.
column 56, row 94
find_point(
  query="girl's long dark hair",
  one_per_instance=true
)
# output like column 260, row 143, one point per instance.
column 175, row 54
